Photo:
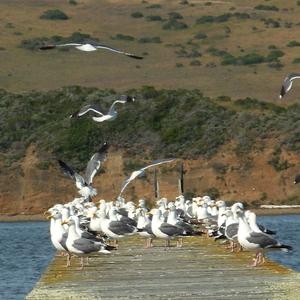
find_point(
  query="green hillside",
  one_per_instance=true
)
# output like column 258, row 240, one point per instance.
column 160, row 123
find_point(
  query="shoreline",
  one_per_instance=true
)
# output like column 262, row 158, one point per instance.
column 41, row 217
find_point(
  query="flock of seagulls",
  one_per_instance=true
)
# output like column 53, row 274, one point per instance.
column 80, row 227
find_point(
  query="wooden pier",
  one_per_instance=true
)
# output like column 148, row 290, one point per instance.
column 202, row 269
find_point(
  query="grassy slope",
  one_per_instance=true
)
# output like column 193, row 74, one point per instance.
column 22, row 69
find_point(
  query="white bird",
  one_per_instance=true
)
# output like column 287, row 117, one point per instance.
column 287, row 83
column 256, row 241
column 88, row 47
column 137, row 173
column 101, row 117
column 83, row 246
column 84, row 184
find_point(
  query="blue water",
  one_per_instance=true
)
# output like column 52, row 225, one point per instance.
column 287, row 227
column 25, row 251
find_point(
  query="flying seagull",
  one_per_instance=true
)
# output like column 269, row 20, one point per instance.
column 136, row 173
column 88, row 47
column 111, row 114
column 287, row 83
column 84, row 184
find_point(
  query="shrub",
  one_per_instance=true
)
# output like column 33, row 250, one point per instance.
column 54, row 14
column 275, row 65
column 200, row 36
column 195, row 63
column 266, row 7
column 220, row 168
column 137, row 14
column 123, row 37
column 205, row 19
column 175, row 16
column 155, row 39
column 271, row 23
column 296, row 60
column 179, row 65
column 154, row 6
column 154, row 18
column 173, row 24
column 293, row 44
column 72, row 2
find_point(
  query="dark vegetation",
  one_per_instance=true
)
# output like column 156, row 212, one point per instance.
column 222, row 18
column 266, row 7
column 168, row 123
column 54, row 14
column 247, row 59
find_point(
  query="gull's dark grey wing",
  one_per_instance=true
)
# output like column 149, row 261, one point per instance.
column 148, row 228
column 101, row 46
column 171, row 230
column 263, row 240
column 95, row 163
column 232, row 230
column 120, row 228
column 87, row 245
column 79, row 181
column 52, row 46
column 126, row 98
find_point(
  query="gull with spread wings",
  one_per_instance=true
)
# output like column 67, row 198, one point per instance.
column 287, row 83
column 137, row 173
column 89, row 46
column 101, row 117
column 84, row 183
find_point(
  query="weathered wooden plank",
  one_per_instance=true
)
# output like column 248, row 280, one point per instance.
column 202, row 269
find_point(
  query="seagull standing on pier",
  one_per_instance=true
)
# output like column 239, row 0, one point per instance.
column 101, row 117
column 287, row 83
column 256, row 241
column 84, row 184
column 89, row 46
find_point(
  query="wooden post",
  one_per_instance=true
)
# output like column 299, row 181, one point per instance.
column 156, row 185
column 181, row 180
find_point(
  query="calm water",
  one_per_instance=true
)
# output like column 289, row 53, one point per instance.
column 25, row 251
column 287, row 227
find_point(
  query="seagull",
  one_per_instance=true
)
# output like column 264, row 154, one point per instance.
column 256, row 241
column 136, row 173
column 84, row 184
column 111, row 114
column 287, row 83
column 88, row 47
column 82, row 246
